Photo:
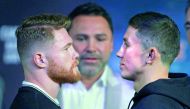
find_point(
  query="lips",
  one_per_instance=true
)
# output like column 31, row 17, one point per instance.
column 122, row 65
column 90, row 59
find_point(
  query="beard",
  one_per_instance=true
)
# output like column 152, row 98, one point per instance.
column 60, row 75
column 90, row 70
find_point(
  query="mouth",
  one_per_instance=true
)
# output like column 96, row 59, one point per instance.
column 90, row 59
column 122, row 66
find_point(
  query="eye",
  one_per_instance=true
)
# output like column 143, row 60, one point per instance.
column 81, row 38
column 101, row 37
column 66, row 49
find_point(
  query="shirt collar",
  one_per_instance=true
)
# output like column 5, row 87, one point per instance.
column 29, row 84
column 102, row 81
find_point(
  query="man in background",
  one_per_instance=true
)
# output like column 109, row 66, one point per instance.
column 48, row 59
column 99, row 88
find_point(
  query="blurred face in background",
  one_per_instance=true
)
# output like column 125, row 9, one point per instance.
column 92, row 39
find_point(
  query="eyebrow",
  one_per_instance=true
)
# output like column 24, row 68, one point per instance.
column 80, row 34
column 67, row 45
column 101, row 34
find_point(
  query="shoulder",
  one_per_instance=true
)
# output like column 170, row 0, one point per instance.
column 24, row 99
column 30, row 98
column 157, row 102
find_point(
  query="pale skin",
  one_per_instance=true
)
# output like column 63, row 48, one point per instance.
column 140, row 65
column 92, row 39
column 36, row 64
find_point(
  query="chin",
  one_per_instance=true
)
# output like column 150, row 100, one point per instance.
column 127, row 76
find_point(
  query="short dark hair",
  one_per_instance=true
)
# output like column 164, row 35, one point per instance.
column 160, row 31
column 39, row 28
column 91, row 9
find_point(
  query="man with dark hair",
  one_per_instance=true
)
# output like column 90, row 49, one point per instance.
column 99, row 88
column 150, row 44
column 187, row 21
column 48, row 59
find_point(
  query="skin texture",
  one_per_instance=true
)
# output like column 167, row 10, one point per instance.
column 92, row 39
column 62, row 51
column 131, row 55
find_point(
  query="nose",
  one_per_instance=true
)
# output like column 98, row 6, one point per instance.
column 75, row 54
column 91, row 46
column 120, row 52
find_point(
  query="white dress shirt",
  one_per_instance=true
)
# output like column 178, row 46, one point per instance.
column 76, row 96
column 108, row 92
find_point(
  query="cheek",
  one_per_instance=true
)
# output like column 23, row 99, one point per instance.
column 105, row 48
column 132, row 56
column 79, row 47
column 66, row 60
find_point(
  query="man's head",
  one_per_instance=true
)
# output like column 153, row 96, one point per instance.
column 151, row 38
column 91, row 31
column 44, row 45
column 187, row 21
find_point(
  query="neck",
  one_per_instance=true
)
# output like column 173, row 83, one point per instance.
column 149, row 76
column 89, row 81
column 44, row 82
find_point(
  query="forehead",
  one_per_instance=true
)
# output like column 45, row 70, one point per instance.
column 61, row 36
column 130, row 35
column 90, row 23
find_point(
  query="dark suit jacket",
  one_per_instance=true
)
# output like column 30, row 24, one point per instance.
column 30, row 98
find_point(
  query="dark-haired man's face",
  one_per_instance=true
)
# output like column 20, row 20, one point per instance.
column 92, row 39
column 187, row 24
column 131, row 55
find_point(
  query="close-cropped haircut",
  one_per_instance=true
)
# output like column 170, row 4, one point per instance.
column 91, row 9
column 159, row 31
column 39, row 29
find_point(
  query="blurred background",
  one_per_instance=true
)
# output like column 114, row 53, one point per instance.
column 12, row 12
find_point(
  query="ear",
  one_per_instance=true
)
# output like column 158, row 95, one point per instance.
column 40, row 60
column 152, row 53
